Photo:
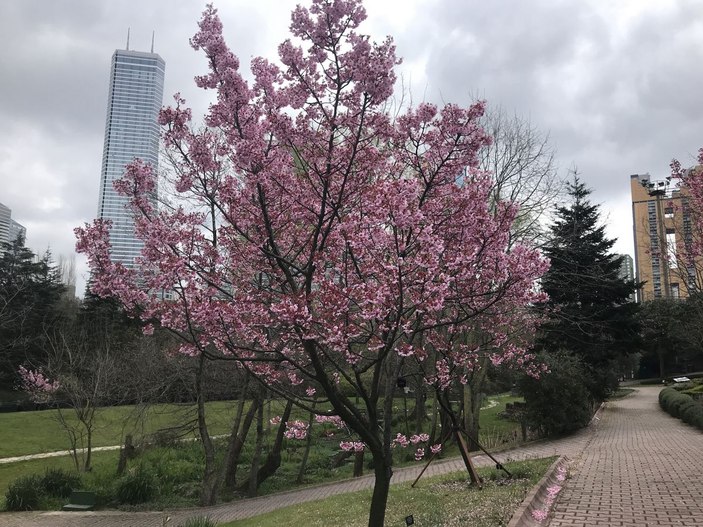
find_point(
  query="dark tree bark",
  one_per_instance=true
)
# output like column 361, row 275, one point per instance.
column 253, row 483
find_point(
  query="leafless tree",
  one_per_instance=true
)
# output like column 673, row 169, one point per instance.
column 521, row 161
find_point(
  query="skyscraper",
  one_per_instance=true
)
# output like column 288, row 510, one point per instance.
column 5, row 220
column 131, row 131
column 10, row 230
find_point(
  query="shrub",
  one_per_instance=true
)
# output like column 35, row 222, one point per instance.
column 681, row 405
column 24, row 493
column 59, row 483
column 558, row 402
column 139, row 485
column 693, row 415
column 199, row 521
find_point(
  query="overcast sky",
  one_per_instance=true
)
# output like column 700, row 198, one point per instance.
column 617, row 85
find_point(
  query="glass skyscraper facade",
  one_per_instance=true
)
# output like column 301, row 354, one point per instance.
column 131, row 131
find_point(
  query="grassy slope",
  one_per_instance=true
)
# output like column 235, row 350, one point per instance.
column 440, row 501
column 29, row 432
column 24, row 433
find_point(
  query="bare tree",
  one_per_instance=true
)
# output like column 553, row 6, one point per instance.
column 521, row 162
column 523, row 171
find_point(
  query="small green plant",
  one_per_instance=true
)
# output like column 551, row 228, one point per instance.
column 59, row 483
column 24, row 494
column 199, row 521
column 139, row 485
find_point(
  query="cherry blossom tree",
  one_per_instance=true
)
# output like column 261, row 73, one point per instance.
column 689, row 250
column 320, row 241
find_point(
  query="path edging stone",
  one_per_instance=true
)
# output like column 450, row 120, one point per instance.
column 537, row 498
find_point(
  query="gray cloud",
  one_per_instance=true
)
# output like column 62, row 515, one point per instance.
column 616, row 86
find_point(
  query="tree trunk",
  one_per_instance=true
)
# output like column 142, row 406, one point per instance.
column 420, row 412
column 379, row 499
column 435, row 415
column 273, row 459
column 256, row 459
column 662, row 364
column 210, row 484
column 472, row 401
column 126, row 452
column 89, row 450
column 237, row 439
column 308, row 444
column 358, row 464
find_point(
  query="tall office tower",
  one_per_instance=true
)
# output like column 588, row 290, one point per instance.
column 662, row 229
column 131, row 131
column 16, row 230
column 9, row 228
column 5, row 221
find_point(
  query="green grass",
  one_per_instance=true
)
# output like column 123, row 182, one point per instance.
column 42, row 433
column 441, row 501
column 23, row 433
column 103, row 462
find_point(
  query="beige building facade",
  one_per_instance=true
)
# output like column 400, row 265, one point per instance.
column 661, row 231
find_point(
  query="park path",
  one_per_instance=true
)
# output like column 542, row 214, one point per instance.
column 641, row 468
column 632, row 436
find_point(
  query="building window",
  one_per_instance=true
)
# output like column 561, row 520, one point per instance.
column 675, row 291
column 669, row 212
column 671, row 248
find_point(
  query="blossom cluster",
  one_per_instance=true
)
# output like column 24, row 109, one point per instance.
column 37, row 385
column 332, row 419
column 296, row 430
column 352, row 446
column 402, row 441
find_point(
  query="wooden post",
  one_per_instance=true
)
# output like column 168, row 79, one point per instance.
column 464, row 450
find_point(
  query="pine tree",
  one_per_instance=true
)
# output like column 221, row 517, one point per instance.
column 30, row 289
column 589, row 315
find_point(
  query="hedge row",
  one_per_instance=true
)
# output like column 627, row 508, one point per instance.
column 682, row 406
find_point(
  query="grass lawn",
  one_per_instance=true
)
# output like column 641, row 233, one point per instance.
column 23, row 433
column 31, row 432
column 441, row 501
column 496, row 431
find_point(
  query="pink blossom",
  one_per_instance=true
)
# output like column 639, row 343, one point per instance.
column 436, row 449
column 420, row 438
column 296, row 430
column 419, row 454
column 37, row 385
column 352, row 446
column 401, row 440
column 275, row 420
column 310, row 391
column 332, row 419
column 539, row 514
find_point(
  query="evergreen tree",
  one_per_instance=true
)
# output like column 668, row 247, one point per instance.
column 589, row 315
column 30, row 289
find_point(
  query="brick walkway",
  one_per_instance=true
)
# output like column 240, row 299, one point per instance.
column 632, row 425
column 642, row 468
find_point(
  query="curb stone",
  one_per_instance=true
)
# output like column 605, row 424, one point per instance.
column 536, row 498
